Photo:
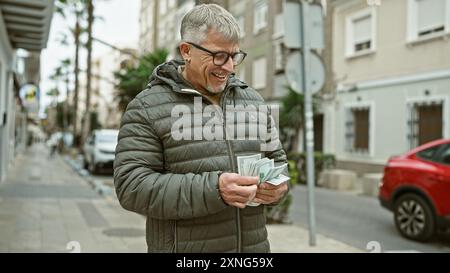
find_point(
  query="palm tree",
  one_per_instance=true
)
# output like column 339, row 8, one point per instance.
column 133, row 79
column 77, row 8
column 65, row 67
column 86, row 118
column 61, row 74
column 292, row 117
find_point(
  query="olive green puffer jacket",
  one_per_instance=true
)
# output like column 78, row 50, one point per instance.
column 174, row 183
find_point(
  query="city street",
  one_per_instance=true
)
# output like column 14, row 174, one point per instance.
column 357, row 220
column 50, row 205
column 347, row 217
column 321, row 84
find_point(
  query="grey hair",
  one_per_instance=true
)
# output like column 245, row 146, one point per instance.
column 197, row 22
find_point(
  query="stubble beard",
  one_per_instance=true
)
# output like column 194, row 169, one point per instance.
column 212, row 91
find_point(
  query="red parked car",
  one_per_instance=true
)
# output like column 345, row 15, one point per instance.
column 416, row 188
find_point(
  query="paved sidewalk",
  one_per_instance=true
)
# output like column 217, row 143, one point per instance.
column 45, row 206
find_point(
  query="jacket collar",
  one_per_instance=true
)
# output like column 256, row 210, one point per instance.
column 168, row 74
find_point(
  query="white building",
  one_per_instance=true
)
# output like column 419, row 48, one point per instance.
column 24, row 24
column 392, row 70
column 104, row 97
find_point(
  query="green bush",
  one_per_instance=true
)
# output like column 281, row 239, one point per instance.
column 321, row 162
column 293, row 172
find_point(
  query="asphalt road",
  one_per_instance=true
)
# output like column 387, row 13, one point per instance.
column 356, row 220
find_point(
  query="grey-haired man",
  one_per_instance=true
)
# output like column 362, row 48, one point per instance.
column 189, row 188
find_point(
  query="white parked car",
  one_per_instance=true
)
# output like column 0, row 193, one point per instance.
column 99, row 149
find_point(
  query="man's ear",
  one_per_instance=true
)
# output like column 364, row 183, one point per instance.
column 185, row 51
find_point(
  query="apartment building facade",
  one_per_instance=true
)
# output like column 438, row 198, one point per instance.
column 262, row 32
column 261, row 23
column 262, row 37
column 392, row 72
column 160, row 23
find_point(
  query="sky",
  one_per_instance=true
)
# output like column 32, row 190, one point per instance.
column 119, row 25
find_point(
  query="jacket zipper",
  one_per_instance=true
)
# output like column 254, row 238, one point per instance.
column 230, row 155
column 234, row 169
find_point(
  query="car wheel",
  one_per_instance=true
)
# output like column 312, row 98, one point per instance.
column 93, row 167
column 414, row 217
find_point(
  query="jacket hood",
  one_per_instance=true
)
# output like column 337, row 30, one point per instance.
column 167, row 74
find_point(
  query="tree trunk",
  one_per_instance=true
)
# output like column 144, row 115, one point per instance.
column 75, row 97
column 86, row 127
column 65, row 109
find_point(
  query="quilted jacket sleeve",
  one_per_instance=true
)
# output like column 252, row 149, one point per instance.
column 141, row 184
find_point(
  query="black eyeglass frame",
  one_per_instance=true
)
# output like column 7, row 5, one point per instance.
column 213, row 54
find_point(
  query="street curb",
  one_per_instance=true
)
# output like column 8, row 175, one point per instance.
column 97, row 185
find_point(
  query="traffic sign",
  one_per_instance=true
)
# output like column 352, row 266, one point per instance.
column 294, row 73
column 314, row 25
column 29, row 93
column 292, row 22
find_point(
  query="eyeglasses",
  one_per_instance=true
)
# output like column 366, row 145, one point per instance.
column 221, row 57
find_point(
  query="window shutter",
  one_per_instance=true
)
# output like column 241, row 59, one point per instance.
column 431, row 14
column 259, row 73
column 362, row 30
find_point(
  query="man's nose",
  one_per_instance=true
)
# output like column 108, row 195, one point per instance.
column 229, row 65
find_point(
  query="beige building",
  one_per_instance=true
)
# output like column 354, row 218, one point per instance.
column 391, row 67
column 262, row 37
column 160, row 23
column 261, row 22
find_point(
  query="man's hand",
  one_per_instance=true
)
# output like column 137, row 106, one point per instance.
column 268, row 193
column 237, row 190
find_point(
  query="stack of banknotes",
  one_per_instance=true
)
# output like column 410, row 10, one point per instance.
column 264, row 168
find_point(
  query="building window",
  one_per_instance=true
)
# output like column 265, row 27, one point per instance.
column 361, row 32
column 425, row 122
column 358, row 129
column 259, row 73
column 260, row 17
column 318, row 132
column 428, row 18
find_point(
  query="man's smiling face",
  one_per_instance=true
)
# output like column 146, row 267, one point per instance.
column 202, row 72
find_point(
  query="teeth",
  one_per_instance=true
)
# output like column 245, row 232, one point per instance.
column 220, row 75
